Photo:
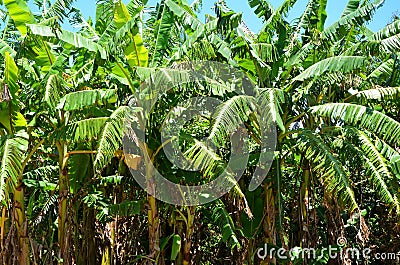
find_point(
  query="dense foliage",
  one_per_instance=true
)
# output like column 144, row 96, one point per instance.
column 66, row 189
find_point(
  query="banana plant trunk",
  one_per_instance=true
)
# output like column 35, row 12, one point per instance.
column 62, row 203
column 154, row 228
column 189, row 234
column 21, row 225
column 304, row 205
column 269, row 224
column 152, row 213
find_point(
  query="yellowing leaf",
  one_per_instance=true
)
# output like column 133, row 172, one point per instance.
column 20, row 13
column 121, row 14
column 11, row 74
column 136, row 54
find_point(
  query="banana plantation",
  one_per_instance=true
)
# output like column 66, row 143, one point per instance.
column 72, row 193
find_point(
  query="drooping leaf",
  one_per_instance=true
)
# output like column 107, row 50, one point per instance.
column 86, row 98
column 278, row 15
column 42, row 54
column 80, row 41
column 381, row 176
column 45, row 172
column 124, row 209
column 342, row 64
column 75, row 39
column 384, row 69
column 395, row 164
column 369, row 119
column 380, row 93
column 329, row 168
column 59, row 8
column 388, row 38
column 54, row 87
column 225, row 223
column 79, row 170
column 38, row 184
column 252, row 226
column 87, row 129
column 188, row 16
column 270, row 100
column 12, row 151
column 229, row 115
column 6, row 48
column 111, row 136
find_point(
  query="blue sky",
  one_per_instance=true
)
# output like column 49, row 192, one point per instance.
column 334, row 10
